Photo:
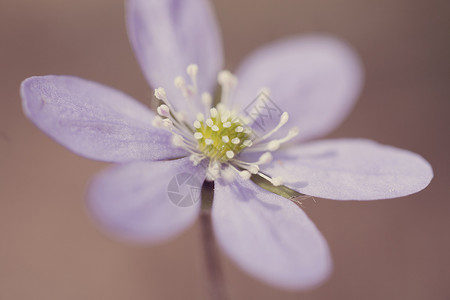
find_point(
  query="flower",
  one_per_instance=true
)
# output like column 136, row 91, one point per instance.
column 313, row 80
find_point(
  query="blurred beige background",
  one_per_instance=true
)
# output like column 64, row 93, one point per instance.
column 395, row 249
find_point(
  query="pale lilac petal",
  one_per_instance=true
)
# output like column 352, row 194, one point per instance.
column 268, row 236
column 132, row 200
column 94, row 120
column 169, row 35
column 351, row 169
column 316, row 79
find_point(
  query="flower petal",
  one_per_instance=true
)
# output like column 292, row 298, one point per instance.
column 93, row 120
column 268, row 236
column 315, row 79
column 169, row 35
column 147, row 201
column 351, row 169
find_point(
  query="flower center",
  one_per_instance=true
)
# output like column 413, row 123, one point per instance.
column 218, row 138
column 222, row 135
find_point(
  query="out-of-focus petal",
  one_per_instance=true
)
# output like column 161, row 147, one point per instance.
column 94, row 120
column 147, row 201
column 351, row 169
column 268, row 236
column 169, row 35
column 315, row 79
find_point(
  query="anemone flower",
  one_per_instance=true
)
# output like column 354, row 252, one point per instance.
column 252, row 138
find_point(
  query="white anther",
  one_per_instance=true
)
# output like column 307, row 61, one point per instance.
column 198, row 135
column 213, row 112
column 197, row 124
column 167, row 123
column 209, row 122
column 160, row 94
column 245, row 174
column 157, row 122
column 208, row 141
column 179, row 82
column 227, row 124
column 284, row 118
column 239, row 129
column 163, row 110
column 192, row 70
column 254, row 169
column 273, row 145
column 226, row 79
column 200, row 117
column 228, row 174
column 229, row 154
column 265, row 158
column 247, row 143
column 177, row 140
column 215, row 128
column 206, row 100
column 225, row 139
column 277, row 181
column 236, row 141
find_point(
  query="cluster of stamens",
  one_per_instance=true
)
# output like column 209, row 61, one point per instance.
column 218, row 135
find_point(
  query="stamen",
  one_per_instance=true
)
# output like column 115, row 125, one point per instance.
column 225, row 139
column 163, row 110
column 198, row 135
column 213, row 112
column 207, row 101
column 230, row 154
column 283, row 119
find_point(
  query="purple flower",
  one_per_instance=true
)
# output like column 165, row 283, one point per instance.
column 313, row 82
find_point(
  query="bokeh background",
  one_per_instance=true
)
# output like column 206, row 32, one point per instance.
column 395, row 249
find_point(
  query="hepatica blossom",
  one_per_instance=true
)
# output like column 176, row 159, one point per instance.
column 307, row 86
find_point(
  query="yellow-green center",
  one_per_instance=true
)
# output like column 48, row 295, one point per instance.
column 221, row 138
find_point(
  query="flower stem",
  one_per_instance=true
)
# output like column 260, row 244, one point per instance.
column 215, row 282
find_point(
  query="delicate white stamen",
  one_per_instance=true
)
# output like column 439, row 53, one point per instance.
column 228, row 174
column 198, row 135
column 157, row 122
column 192, row 70
column 163, row 110
column 235, row 141
column 265, row 158
column 208, row 141
column 197, row 124
column 254, row 169
column 283, row 119
column 239, row 129
column 160, row 94
column 277, row 181
column 167, row 123
column 179, row 82
column 200, row 117
column 230, row 154
column 207, row 101
column 209, row 122
column 247, row 143
column 273, row 145
column 215, row 128
column 245, row 174
column 227, row 124
column 213, row 112
column 177, row 140
column 225, row 139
